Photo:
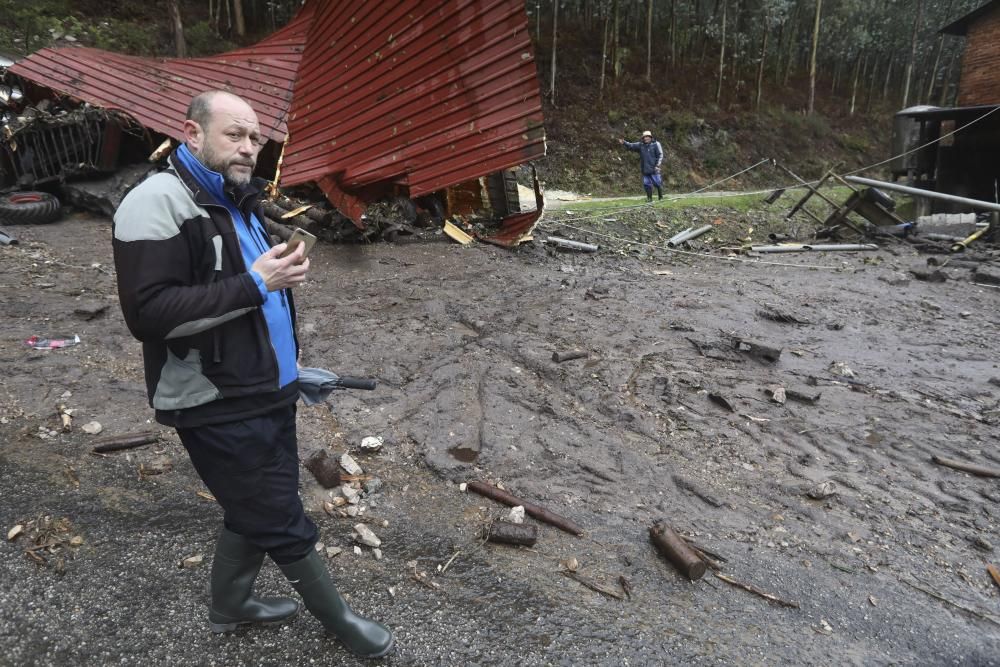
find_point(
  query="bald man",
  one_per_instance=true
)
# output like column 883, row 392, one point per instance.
column 211, row 300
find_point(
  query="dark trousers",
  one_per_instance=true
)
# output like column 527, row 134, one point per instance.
column 252, row 468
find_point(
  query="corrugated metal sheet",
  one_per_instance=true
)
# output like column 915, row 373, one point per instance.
column 410, row 97
column 156, row 92
column 422, row 95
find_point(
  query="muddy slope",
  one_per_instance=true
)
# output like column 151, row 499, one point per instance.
column 461, row 341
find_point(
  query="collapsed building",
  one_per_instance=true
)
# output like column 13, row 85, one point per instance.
column 422, row 108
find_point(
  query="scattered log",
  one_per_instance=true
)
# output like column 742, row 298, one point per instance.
column 677, row 551
column 593, row 585
column 560, row 357
column 757, row 591
column 314, row 213
column 120, row 442
column 275, row 212
column 531, row 509
column 972, row 469
column 505, row 532
column 283, row 232
column 956, row 605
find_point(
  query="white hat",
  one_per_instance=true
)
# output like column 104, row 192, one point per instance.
column 647, row 133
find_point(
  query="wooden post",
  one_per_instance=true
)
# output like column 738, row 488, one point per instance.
column 677, row 551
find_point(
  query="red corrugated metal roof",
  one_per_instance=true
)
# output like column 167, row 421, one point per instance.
column 157, row 91
column 419, row 95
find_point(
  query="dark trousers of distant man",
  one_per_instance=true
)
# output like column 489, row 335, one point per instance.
column 648, row 181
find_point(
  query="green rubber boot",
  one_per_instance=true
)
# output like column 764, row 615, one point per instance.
column 234, row 570
column 311, row 579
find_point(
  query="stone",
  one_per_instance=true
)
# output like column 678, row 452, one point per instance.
column 350, row 493
column 822, row 490
column 374, row 485
column 331, row 552
column 986, row 274
column 92, row 428
column 350, row 465
column 378, row 554
column 930, row 274
column 365, row 536
column 841, row 369
column 516, row 514
column 896, row 279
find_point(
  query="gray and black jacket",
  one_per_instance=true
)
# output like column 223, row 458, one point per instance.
column 650, row 155
column 187, row 295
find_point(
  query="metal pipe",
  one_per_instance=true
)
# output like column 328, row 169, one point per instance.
column 841, row 247
column 801, row 247
column 917, row 192
column 571, row 245
column 672, row 241
column 689, row 235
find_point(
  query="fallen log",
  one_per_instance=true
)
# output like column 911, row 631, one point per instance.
column 677, row 551
column 283, row 232
column 560, row 357
column 530, row 509
column 757, row 591
column 505, row 532
column 120, row 442
column 593, row 585
column 274, row 211
column 971, row 468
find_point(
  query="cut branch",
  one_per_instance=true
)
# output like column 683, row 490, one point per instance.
column 531, row 509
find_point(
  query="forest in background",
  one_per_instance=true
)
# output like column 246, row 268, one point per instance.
column 719, row 81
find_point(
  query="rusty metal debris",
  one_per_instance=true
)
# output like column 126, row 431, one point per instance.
column 531, row 509
column 128, row 441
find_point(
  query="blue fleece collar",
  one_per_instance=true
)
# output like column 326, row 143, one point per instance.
column 211, row 181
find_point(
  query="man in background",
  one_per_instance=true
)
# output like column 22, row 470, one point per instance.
column 650, row 157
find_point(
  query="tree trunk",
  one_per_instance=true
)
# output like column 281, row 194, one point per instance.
column 178, row 28
column 604, row 53
column 934, row 69
column 241, row 26
column 888, row 78
column 615, row 45
column 722, row 53
column 555, row 28
column 673, row 33
column 760, row 68
column 649, row 42
column 913, row 53
column 854, row 82
column 812, row 58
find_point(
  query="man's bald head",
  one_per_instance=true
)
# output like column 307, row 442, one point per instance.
column 222, row 132
column 202, row 105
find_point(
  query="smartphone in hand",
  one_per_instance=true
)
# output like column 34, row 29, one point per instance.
column 299, row 236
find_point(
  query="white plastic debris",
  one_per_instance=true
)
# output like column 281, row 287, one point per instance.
column 365, row 536
column 372, row 443
column 516, row 514
column 350, row 465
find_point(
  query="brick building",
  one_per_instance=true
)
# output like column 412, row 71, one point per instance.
column 980, row 80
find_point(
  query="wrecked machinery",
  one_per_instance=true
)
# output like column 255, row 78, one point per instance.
column 395, row 113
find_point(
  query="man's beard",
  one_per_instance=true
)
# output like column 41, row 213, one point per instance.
column 233, row 179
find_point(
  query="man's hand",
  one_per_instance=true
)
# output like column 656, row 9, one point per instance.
column 621, row 141
column 657, row 170
column 281, row 273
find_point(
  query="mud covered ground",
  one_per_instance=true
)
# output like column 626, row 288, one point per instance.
column 460, row 339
